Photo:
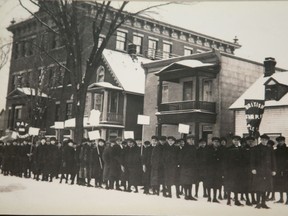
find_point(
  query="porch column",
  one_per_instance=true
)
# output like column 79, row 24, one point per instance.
column 159, row 93
column 197, row 95
column 105, row 106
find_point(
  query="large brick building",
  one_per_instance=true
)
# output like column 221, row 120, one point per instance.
column 117, row 91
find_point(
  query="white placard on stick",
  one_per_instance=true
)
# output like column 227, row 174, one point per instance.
column 14, row 135
column 93, row 135
column 183, row 128
column 59, row 125
column 129, row 134
column 33, row 131
column 143, row 120
column 94, row 117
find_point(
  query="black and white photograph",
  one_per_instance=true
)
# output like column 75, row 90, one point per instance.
column 143, row 107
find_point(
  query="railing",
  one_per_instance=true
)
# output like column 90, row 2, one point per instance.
column 113, row 118
column 158, row 54
column 187, row 105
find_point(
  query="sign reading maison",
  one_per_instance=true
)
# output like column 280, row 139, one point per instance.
column 254, row 110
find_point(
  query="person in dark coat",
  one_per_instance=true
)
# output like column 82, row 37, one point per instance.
column 247, row 175
column 201, row 168
column 115, row 165
column 214, row 164
column 41, row 159
column 134, row 165
column 68, row 160
column 1, row 155
column 146, row 164
column 97, row 162
column 281, row 156
column 7, row 158
column 124, row 169
column 85, row 171
column 222, row 148
column 188, row 167
column 234, row 170
column 58, row 159
column 25, row 158
column 263, row 166
column 157, row 167
column 171, row 162
column 51, row 158
column 106, row 156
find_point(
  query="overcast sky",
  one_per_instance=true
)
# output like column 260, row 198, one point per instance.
column 261, row 26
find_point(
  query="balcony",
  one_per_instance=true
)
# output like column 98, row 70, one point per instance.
column 187, row 111
column 112, row 118
column 158, row 54
column 188, row 105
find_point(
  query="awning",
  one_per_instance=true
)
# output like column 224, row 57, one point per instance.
column 104, row 85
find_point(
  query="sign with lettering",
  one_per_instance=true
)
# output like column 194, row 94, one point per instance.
column 183, row 128
column 129, row 134
column 254, row 110
column 143, row 120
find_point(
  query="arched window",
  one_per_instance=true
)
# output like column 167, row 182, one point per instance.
column 100, row 74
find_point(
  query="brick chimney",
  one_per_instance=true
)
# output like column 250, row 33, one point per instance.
column 269, row 66
column 132, row 51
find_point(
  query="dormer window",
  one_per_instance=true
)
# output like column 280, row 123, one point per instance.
column 100, row 74
column 274, row 90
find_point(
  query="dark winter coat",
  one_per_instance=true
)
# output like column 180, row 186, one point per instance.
column 157, row 168
column 170, row 161
column 124, row 153
column 281, row 178
column 106, row 156
column 8, row 158
column 85, row 161
column 51, row 159
column 146, row 160
column 263, row 161
column 97, row 162
column 214, row 164
column 134, row 165
column 234, row 169
column 201, row 154
column 188, row 165
column 41, row 157
column 115, row 163
column 247, row 175
column 68, row 160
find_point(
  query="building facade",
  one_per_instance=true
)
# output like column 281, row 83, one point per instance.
column 196, row 90
column 272, row 87
column 117, row 91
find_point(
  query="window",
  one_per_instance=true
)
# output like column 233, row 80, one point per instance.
column 113, row 101
column 188, row 93
column 165, row 93
column 69, row 106
column 98, row 101
column 23, row 48
column 271, row 92
column 18, row 112
column 100, row 74
column 167, row 49
column 121, row 40
column 113, row 134
column 207, row 90
column 152, row 48
column 138, row 41
column 16, row 50
column 57, row 111
column 188, row 51
column 9, row 118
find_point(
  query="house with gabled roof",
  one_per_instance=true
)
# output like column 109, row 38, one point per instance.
column 272, row 87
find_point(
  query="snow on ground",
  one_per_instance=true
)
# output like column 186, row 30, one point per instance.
column 27, row 196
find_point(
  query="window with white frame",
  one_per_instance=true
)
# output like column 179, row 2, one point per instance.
column 167, row 50
column 138, row 41
column 152, row 48
column 121, row 41
column 188, row 51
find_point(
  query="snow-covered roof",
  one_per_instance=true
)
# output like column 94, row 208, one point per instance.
column 129, row 72
column 191, row 63
column 257, row 91
column 31, row 91
column 105, row 85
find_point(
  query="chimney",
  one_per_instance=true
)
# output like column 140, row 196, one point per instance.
column 269, row 66
column 132, row 51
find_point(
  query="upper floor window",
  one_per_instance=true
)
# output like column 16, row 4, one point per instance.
column 165, row 93
column 188, row 51
column 188, row 91
column 57, row 111
column 271, row 92
column 121, row 40
column 167, row 50
column 207, row 90
column 98, row 98
column 113, row 101
column 138, row 41
column 152, row 48
column 100, row 74
column 69, row 106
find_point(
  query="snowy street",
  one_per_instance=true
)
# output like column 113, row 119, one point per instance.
column 27, row 196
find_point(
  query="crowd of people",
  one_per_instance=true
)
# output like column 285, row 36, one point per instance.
column 251, row 172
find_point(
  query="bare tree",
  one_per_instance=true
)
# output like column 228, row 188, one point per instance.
column 70, row 20
column 5, row 48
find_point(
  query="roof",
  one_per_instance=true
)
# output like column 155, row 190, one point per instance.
column 28, row 91
column 257, row 91
column 128, row 72
column 104, row 85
